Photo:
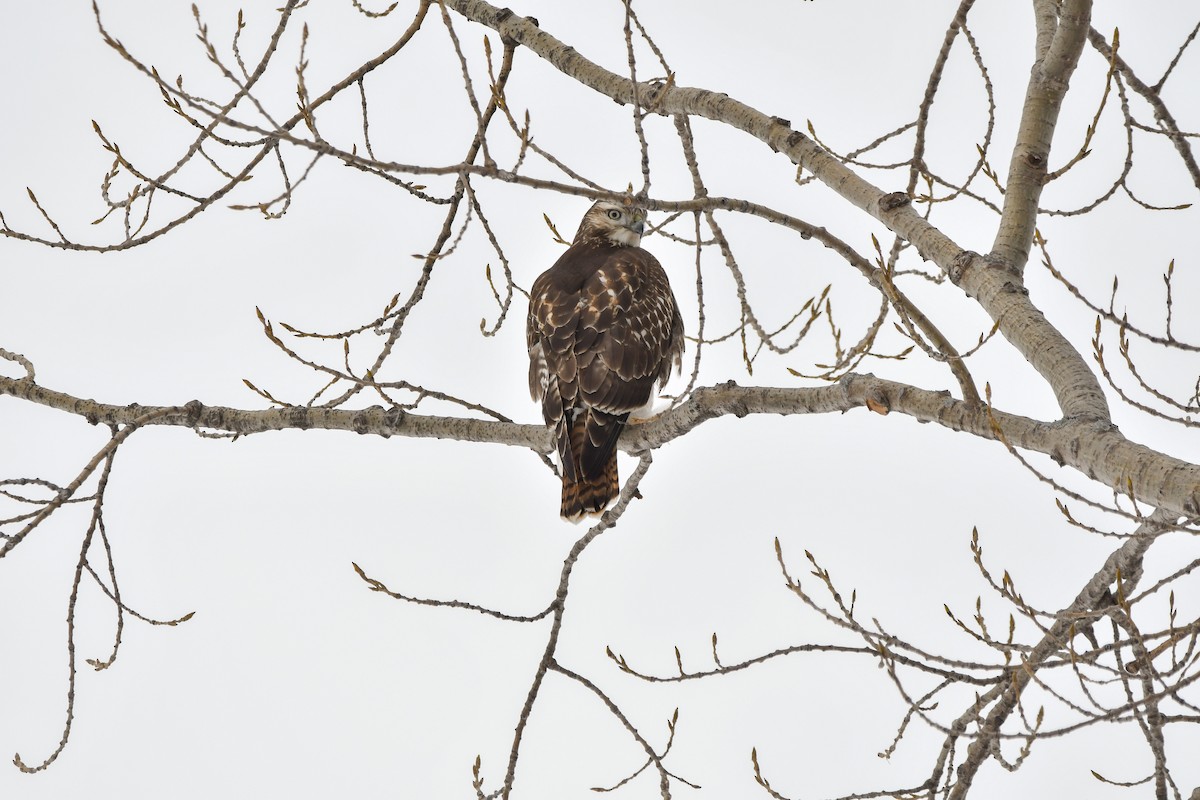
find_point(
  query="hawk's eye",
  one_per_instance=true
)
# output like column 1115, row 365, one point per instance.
column 614, row 214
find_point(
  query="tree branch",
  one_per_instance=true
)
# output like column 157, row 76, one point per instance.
column 1058, row 52
column 1095, row 448
column 1124, row 561
column 1074, row 385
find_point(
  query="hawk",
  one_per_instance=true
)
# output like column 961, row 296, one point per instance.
column 604, row 332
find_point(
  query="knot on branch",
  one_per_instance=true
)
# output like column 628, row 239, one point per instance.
column 502, row 16
column 1191, row 506
column 1035, row 159
column 361, row 423
column 194, row 409
column 393, row 418
column 961, row 263
column 878, row 402
column 890, row 202
column 849, row 378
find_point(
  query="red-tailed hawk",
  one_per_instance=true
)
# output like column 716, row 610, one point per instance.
column 604, row 331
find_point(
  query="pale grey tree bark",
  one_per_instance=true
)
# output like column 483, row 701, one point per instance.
column 1082, row 438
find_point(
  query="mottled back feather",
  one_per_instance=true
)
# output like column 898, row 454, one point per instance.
column 604, row 331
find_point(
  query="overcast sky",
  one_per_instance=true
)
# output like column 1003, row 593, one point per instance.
column 293, row 679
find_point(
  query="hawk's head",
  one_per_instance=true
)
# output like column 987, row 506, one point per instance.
column 617, row 223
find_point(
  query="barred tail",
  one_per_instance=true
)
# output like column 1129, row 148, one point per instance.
column 587, row 496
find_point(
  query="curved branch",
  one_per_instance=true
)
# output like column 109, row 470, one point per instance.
column 1075, row 386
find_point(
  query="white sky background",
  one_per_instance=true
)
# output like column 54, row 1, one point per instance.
column 293, row 679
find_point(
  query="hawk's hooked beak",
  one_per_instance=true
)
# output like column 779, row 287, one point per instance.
column 638, row 226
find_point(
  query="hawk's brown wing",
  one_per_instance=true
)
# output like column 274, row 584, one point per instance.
column 604, row 330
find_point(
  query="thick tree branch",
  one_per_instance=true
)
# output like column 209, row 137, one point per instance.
column 1093, row 447
column 1084, row 438
column 1074, row 385
column 1058, row 49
